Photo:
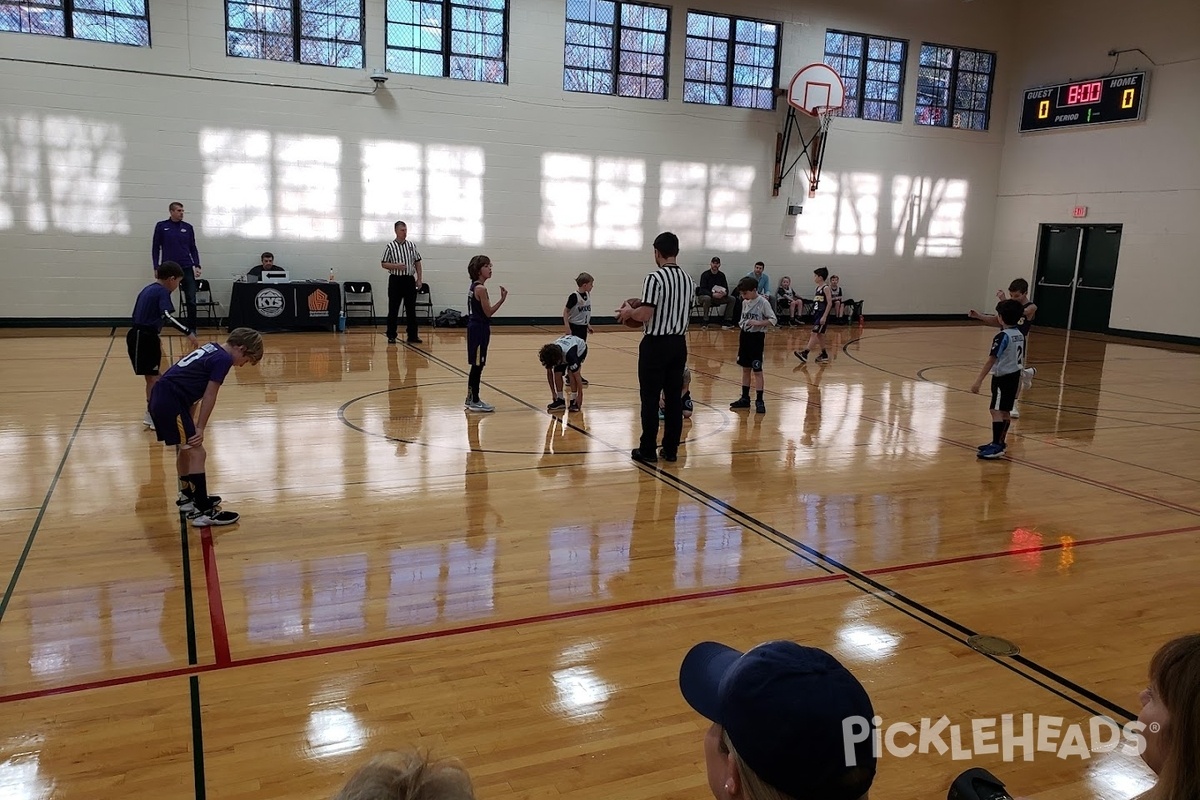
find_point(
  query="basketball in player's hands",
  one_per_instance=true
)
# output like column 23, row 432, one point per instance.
column 625, row 308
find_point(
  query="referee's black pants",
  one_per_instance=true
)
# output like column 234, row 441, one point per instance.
column 402, row 287
column 661, row 361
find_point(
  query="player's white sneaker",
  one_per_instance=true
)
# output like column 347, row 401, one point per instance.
column 479, row 407
column 1027, row 377
column 147, row 420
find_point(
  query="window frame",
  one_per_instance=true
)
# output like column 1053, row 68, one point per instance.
column 731, row 44
column 446, row 52
column 68, row 11
column 951, row 108
column 617, row 50
column 298, row 38
column 861, row 87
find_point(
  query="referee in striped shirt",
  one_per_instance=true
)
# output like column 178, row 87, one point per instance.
column 403, row 263
column 662, row 355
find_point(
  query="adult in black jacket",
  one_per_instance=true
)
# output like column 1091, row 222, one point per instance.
column 714, row 290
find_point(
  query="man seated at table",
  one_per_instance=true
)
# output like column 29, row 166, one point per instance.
column 267, row 265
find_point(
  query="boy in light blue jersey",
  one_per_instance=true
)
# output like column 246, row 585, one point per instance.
column 564, row 356
column 757, row 317
column 1005, row 362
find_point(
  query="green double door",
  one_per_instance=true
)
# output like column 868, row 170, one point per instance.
column 1076, row 271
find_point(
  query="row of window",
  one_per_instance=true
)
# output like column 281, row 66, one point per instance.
column 612, row 47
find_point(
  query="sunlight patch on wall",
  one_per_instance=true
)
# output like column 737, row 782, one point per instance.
column 706, row 205
column 436, row 189
column 307, row 188
column 844, row 216
column 455, row 194
column 63, row 172
column 929, row 216
column 260, row 186
column 237, row 183
column 591, row 203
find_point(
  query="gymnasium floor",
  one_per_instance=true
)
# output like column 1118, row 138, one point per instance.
column 513, row 590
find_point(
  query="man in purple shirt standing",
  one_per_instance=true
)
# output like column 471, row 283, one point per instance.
column 175, row 240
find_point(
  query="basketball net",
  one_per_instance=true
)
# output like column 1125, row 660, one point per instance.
column 816, row 148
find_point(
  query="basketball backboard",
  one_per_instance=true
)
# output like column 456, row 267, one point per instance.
column 816, row 88
column 816, row 92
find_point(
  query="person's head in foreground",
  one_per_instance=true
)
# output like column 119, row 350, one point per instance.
column 779, row 714
column 407, row 775
column 1171, row 714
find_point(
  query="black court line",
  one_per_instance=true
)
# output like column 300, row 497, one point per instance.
column 924, row 614
column 197, row 738
column 189, row 613
column 892, row 597
column 37, row 522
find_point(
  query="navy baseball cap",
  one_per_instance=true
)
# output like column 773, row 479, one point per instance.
column 795, row 715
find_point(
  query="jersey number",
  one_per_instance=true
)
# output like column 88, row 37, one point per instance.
column 195, row 355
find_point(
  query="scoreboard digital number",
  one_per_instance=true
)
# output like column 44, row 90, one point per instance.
column 1117, row 98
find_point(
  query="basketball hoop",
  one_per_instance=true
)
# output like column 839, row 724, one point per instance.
column 817, row 93
column 816, row 151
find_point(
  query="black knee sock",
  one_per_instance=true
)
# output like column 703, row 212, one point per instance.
column 185, row 486
column 758, row 395
column 1004, row 432
column 997, row 432
column 745, row 392
column 199, row 490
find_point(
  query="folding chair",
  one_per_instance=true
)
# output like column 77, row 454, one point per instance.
column 360, row 295
column 206, row 303
column 427, row 302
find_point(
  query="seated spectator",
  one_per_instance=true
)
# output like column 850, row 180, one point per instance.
column 777, row 712
column 714, row 290
column 407, row 775
column 266, row 264
column 843, row 307
column 787, row 303
column 1171, row 714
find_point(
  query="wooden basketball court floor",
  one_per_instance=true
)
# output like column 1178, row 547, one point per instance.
column 513, row 590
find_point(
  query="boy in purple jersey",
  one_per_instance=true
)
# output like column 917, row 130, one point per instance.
column 152, row 308
column 194, row 381
column 479, row 329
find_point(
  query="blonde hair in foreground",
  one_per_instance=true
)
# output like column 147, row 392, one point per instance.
column 408, row 775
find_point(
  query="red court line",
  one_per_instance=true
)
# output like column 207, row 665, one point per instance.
column 417, row 637
column 216, row 609
column 538, row 618
column 1001, row 553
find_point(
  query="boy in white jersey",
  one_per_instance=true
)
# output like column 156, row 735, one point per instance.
column 1005, row 362
column 577, row 314
column 1017, row 290
column 564, row 355
column 757, row 316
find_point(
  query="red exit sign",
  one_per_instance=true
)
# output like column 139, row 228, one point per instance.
column 1079, row 212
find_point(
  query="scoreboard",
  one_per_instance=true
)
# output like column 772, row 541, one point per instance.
column 1117, row 98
